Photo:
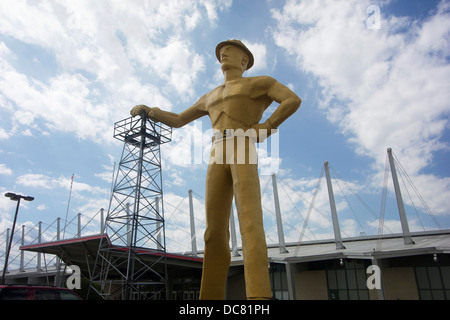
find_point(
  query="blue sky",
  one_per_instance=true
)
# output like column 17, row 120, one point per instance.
column 70, row 70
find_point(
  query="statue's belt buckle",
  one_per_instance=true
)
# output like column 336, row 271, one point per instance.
column 218, row 135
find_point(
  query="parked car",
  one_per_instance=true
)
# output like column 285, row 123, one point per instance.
column 33, row 292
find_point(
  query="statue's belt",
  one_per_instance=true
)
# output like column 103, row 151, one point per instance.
column 230, row 133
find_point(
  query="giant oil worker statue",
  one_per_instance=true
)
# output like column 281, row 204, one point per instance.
column 235, row 106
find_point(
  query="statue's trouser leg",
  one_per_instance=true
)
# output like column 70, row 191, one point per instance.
column 248, row 204
column 222, row 180
column 216, row 261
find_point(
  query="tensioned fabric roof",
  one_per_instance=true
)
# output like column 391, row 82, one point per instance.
column 364, row 247
column 82, row 252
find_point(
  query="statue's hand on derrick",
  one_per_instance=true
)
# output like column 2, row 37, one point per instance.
column 139, row 109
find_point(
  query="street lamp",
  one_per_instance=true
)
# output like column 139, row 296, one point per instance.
column 13, row 197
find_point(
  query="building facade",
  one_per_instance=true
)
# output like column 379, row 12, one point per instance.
column 318, row 270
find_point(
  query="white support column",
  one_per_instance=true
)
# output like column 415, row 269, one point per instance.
column 290, row 277
column 281, row 243
column 58, row 260
column 234, row 249
column 58, row 229
column 102, row 221
column 334, row 217
column 129, row 222
column 401, row 208
column 192, row 220
column 8, row 235
column 38, row 264
column 79, row 226
column 158, row 225
column 22, row 242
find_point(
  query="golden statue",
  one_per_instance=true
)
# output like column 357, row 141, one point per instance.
column 236, row 105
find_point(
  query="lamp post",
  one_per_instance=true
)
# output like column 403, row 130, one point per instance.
column 13, row 197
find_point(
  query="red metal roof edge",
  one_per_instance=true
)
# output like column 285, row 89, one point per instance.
column 99, row 236
column 65, row 241
column 168, row 255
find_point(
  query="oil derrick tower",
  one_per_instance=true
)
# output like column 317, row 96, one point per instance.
column 131, row 258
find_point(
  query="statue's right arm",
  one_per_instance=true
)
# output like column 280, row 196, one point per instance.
column 172, row 119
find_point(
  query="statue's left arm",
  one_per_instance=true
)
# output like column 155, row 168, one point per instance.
column 288, row 100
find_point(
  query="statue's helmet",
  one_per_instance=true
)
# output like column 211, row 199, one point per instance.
column 238, row 44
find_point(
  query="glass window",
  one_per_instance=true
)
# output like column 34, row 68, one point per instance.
column 353, row 295
column 46, row 295
column 435, row 278
column 343, row 294
column 278, row 279
column 363, row 294
column 351, row 279
column 422, row 278
column 347, row 281
column 445, row 271
column 432, row 282
column 333, row 294
column 14, row 294
column 361, row 277
column 281, row 295
column 425, row 295
column 67, row 295
column 438, row 294
column 341, row 279
column 332, row 280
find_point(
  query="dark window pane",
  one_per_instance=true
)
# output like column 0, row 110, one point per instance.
column 425, row 295
column 14, row 294
column 445, row 271
column 363, row 294
column 331, row 276
column 67, row 295
column 46, row 295
column 435, row 278
column 342, row 281
column 352, row 294
column 422, row 278
column 343, row 295
column 351, row 279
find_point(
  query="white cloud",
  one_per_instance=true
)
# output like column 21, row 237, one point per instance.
column 3, row 134
column 100, row 48
column 259, row 51
column 176, row 178
column 177, row 217
column 35, row 180
column 42, row 207
column 5, row 170
column 384, row 88
column 63, row 104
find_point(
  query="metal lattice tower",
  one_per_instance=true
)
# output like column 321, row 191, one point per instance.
column 132, row 255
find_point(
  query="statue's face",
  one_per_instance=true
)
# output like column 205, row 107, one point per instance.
column 233, row 57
